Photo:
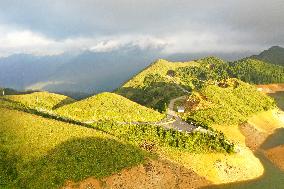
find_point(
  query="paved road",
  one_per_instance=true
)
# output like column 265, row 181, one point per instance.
column 178, row 124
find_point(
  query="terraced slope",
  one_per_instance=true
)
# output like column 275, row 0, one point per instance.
column 41, row 100
column 108, row 106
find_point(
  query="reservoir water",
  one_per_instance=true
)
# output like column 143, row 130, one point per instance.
column 273, row 177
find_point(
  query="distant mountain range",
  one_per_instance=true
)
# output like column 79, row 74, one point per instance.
column 78, row 74
column 81, row 74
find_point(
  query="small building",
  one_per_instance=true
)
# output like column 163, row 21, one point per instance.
column 180, row 109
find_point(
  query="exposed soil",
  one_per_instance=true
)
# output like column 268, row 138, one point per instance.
column 152, row 175
column 276, row 155
column 253, row 137
column 272, row 88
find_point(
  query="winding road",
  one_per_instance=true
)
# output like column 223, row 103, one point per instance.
column 178, row 124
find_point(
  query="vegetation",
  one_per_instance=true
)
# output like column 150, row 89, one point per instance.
column 162, row 81
column 228, row 105
column 248, row 70
column 41, row 100
column 153, row 87
column 108, row 106
column 196, row 142
column 256, row 71
column 274, row 55
column 42, row 149
column 36, row 152
column 8, row 91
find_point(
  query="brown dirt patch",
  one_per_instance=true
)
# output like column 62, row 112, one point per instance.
column 272, row 88
column 276, row 155
column 152, row 175
column 253, row 137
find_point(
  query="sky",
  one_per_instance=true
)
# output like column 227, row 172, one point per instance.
column 45, row 27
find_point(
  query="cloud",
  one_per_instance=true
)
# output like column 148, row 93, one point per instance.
column 15, row 40
column 173, row 26
column 143, row 42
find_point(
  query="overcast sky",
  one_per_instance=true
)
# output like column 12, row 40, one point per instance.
column 176, row 26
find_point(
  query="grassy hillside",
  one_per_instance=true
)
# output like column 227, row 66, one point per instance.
column 152, row 87
column 39, row 152
column 226, row 105
column 108, row 106
column 162, row 81
column 159, row 67
column 248, row 70
column 41, row 100
column 256, row 71
column 36, row 152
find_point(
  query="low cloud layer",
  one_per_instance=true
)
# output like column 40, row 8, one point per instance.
column 226, row 26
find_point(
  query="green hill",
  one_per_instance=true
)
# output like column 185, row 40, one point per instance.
column 37, row 152
column 256, row 71
column 231, row 103
column 41, row 100
column 153, row 87
column 108, row 106
column 162, row 81
column 209, row 76
column 40, row 152
column 248, row 70
column 274, row 55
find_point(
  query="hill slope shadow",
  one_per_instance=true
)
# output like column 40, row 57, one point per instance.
column 78, row 159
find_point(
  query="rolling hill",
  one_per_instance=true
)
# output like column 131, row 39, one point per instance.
column 41, row 152
column 232, row 103
column 274, row 55
column 37, row 152
column 164, row 80
column 152, row 87
column 108, row 106
column 41, row 100
column 46, row 150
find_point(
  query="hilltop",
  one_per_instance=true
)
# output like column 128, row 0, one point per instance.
column 108, row 106
column 152, row 87
column 41, row 100
column 274, row 55
column 164, row 80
